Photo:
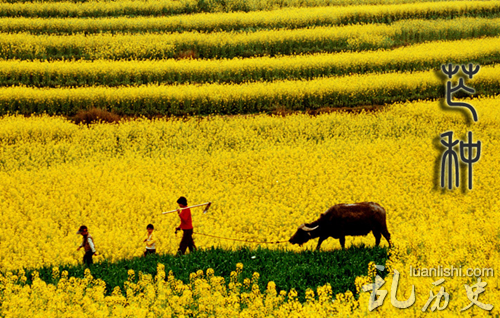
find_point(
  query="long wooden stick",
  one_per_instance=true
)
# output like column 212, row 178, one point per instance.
column 188, row 207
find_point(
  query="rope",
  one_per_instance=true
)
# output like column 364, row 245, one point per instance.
column 232, row 239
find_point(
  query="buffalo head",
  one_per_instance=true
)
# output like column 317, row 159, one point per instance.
column 302, row 235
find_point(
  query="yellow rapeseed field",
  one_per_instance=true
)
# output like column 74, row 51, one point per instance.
column 226, row 98
column 93, row 8
column 113, row 73
column 265, row 175
column 286, row 18
column 160, row 45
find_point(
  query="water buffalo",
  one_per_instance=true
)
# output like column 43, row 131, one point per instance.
column 345, row 219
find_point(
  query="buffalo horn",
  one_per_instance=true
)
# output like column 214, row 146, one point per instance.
column 308, row 229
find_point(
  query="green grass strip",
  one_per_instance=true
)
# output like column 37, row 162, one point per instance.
column 288, row 18
column 235, row 44
column 419, row 57
column 307, row 269
column 348, row 91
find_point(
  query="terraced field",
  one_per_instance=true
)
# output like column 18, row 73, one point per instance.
column 131, row 57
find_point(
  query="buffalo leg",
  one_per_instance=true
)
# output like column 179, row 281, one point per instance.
column 342, row 242
column 387, row 236
column 377, row 237
column 321, row 239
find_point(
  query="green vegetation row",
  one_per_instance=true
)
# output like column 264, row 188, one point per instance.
column 307, row 269
column 290, row 19
column 84, row 8
column 150, row 100
column 417, row 57
column 230, row 44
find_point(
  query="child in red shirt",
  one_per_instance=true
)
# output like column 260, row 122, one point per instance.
column 186, row 227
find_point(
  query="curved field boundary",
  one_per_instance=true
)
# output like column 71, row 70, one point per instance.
column 84, row 8
column 345, row 91
column 419, row 57
column 233, row 44
column 288, row 18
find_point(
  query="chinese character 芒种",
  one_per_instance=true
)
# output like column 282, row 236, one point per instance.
column 467, row 155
